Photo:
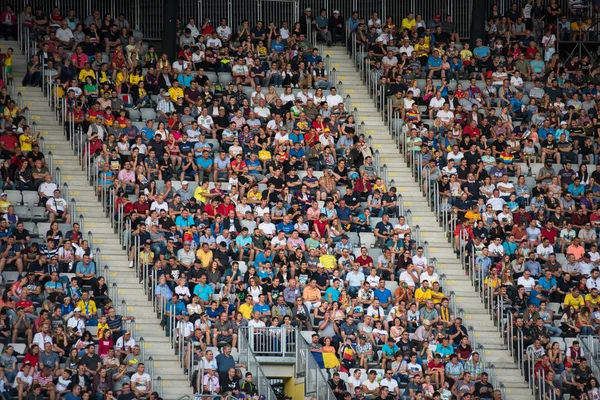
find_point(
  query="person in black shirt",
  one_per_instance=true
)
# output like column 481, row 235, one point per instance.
column 230, row 383
column 483, row 388
column 338, row 386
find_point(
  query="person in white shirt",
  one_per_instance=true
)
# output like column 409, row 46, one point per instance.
column 180, row 65
column 56, row 207
column 496, row 249
column 267, row 227
column 429, row 275
column 391, row 383
column 304, row 95
column 159, row 204
column 42, row 338
column 445, row 115
column 436, row 104
column 402, row 228
column 406, row 48
column 594, row 280
column 141, row 382
column 333, row 99
column 355, row 380
column 256, row 96
column 526, row 281
column 184, row 327
column 125, row 344
column 407, row 277
column 496, row 201
column 214, row 41
column 419, row 260
column 64, row 34
column 224, row 31
column 47, row 188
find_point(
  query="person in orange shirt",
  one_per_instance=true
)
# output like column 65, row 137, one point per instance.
column 311, row 295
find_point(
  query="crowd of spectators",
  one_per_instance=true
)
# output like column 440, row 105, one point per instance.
column 249, row 203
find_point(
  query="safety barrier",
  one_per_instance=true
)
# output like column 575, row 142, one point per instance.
column 248, row 358
column 315, row 379
column 272, row 341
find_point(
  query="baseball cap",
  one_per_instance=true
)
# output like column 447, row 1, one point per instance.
column 77, row 309
column 336, row 11
column 127, row 332
column 185, row 183
column 568, row 364
column 3, row 194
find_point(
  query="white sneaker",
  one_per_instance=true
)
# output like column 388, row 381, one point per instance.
column 130, row 264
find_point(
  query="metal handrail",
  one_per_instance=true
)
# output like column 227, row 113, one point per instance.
column 248, row 358
column 115, row 293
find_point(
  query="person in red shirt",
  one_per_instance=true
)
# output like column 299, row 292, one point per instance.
column 550, row 233
column 321, row 226
column 141, row 206
column 364, row 260
column 225, row 206
column 472, row 130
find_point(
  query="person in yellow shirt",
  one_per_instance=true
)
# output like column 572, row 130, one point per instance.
column 175, row 91
column 202, row 194
column 473, row 214
column 87, row 71
column 423, row 293
column 4, row 203
column 328, row 261
column 422, row 49
column 8, row 61
column 102, row 326
column 592, row 299
column 466, row 53
column 26, row 140
column 436, row 294
column 246, row 308
column 409, row 22
column 574, row 299
column 205, row 255
column 87, row 306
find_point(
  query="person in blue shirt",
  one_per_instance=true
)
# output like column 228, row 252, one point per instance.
column 481, row 53
column 286, row 226
column 516, row 106
column 277, row 45
column 576, row 189
column 313, row 58
column 434, row 65
column 203, row 290
column 547, row 283
column 243, row 243
column 264, row 257
column 184, row 220
column 388, row 351
column 536, row 296
column 383, row 294
column 147, row 131
column 297, row 150
column 176, row 307
column 297, row 137
column 332, row 294
column 262, row 307
column 545, row 129
column 162, row 290
column 85, row 271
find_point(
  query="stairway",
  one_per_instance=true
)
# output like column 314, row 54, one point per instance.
column 156, row 344
column 467, row 299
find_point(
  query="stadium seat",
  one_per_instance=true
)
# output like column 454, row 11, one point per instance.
column 148, row 113
column 367, row 239
column 14, row 196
